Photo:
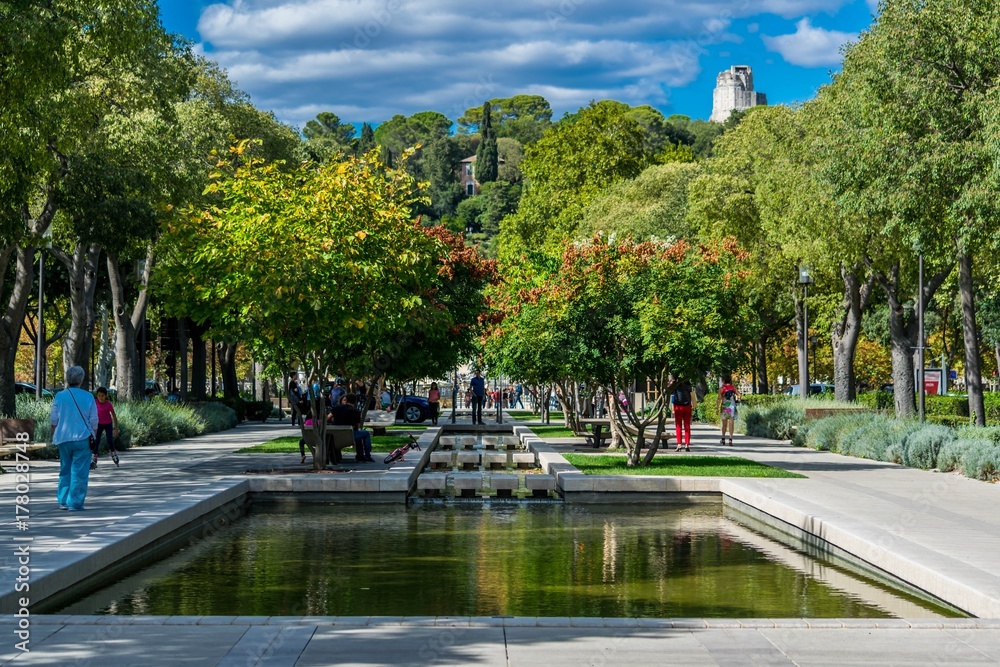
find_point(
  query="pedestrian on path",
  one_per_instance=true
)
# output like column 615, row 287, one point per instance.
column 434, row 402
column 477, row 387
column 729, row 397
column 107, row 423
column 295, row 398
column 74, row 421
column 684, row 402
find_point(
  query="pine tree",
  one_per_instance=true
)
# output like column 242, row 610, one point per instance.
column 367, row 140
column 487, row 157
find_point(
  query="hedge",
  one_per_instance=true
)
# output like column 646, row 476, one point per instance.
column 249, row 410
column 141, row 423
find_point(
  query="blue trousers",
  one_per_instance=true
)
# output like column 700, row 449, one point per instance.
column 74, row 472
column 363, row 443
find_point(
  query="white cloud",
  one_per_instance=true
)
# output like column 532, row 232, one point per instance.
column 809, row 46
column 364, row 59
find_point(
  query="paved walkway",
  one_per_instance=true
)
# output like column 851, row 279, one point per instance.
column 938, row 522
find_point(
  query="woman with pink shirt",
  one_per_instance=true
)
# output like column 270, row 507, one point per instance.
column 107, row 422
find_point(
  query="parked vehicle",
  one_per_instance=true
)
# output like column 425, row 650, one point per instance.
column 414, row 410
column 28, row 388
column 814, row 388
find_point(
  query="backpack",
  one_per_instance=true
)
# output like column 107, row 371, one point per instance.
column 729, row 396
column 682, row 396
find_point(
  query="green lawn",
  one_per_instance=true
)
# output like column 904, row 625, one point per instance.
column 551, row 431
column 528, row 414
column 290, row 445
column 407, row 427
column 679, row 465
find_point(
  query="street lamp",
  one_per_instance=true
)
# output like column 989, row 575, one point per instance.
column 454, row 395
column 805, row 279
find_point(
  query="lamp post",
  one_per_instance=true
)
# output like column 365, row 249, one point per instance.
column 805, row 279
column 813, row 344
column 454, row 395
column 920, row 337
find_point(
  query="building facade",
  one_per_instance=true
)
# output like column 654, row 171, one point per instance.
column 734, row 92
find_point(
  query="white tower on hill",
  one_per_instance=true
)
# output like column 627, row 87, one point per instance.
column 734, row 92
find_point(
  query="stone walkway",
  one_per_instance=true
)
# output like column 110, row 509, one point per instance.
column 930, row 522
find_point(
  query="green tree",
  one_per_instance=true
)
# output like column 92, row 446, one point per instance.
column 920, row 81
column 487, row 156
column 326, row 136
column 568, row 168
column 654, row 205
column 524, row 118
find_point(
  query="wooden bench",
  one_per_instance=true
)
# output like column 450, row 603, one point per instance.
column 338, row 438
column 650, row 434
column 10, row 445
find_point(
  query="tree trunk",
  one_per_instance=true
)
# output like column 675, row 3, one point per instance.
column 801, row 352
column 81, row 267
column 227, row 369
column 904, row 334
column 199, row 359
column 846, row 331
column 105, row 352
column 760, row 351
column 970, row 335
column 13, row 319
column 182, row 356
column 129, row 360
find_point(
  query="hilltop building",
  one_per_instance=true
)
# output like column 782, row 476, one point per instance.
column 734, row 92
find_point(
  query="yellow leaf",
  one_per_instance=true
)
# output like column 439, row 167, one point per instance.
column 361, row 235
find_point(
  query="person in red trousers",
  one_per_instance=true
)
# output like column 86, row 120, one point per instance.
column 684, row 401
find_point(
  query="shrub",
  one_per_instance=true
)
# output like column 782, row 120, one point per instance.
column 761, row 400
column 991, row 433
column 258, row 410
column 217, row 417
column 956, row 406
column 953, row 421
column 27, row 407
column 878, row 437
column 953, row 452
column 991, row 402
column 238, row 405
column 826, row 434
column 923, row 445
column 981, row 460
column 779, row 421
column 883, row 401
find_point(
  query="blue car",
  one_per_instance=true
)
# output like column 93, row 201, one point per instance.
column 413, row 410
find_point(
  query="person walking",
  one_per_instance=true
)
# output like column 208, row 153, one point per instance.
column 295, row 398
column 729, row 397
column 434, row 402
column 107, row 423
column 477, row 385
column 74, row 421
column 684, row 402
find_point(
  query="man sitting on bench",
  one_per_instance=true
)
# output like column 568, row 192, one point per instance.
column 347, row 414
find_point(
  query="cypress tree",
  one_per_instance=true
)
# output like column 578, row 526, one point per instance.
column 367, row 140
column 487, row 156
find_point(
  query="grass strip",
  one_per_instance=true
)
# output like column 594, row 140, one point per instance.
column 290, row 445
column 679, row 465
column 552, row 431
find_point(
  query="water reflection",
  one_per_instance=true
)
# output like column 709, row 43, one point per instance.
column 515, row 559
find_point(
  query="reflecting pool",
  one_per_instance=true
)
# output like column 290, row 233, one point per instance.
column 515, row 559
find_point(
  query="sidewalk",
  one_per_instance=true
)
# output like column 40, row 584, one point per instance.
column 930, row 522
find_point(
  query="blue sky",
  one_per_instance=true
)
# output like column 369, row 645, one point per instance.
column 367, row 60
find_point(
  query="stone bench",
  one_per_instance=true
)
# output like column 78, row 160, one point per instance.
column 504, row 485
column 432, row 483
column 447, row 441
column 523, row 460
column 440, row 460
column 468, row 441
column 468, row 483
column 468, row 460
column 511, row 441
column 540, row 485
column 490, row 441
column 495, row 460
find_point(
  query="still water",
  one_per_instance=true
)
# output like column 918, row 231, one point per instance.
column 488, row 560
